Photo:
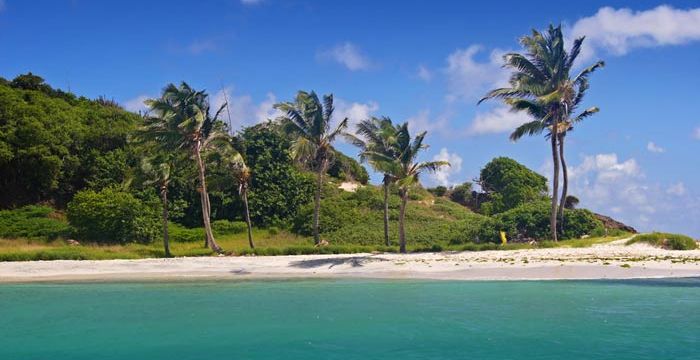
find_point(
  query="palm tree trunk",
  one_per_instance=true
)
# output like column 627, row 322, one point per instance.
column 210, row 241
column 402, row 214
column 317, row 202
column 555, row 186
column 386, row 210
column 166, row 236
column 244, row 195
column 565, row 184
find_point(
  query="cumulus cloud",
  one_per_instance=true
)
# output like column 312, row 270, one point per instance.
column 443, row 176
column 607, row 167
column 354, row 111
column 425, row 121
column 652, row 147
column 468, row 78
column 677, row 189
column 244, row 111
column 607, row 184
column 136, row 104
column 617, row 31
column 348, row 55
column 424, row 73
column 498, row 120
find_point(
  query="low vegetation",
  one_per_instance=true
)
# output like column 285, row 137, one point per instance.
column 666, row 241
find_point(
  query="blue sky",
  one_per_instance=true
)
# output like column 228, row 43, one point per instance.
column 424, row 61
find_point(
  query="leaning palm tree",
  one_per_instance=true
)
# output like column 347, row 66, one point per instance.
column 180, row 120
column 230, row 157
column 406, row 170
column 158, row 172
column 378, row 135
column 541, row 85
column 538, row 126
column 309, row 122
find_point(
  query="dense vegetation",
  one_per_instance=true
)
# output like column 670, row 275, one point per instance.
column 75, row 168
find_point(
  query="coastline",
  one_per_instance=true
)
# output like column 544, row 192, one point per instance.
column 608, row 261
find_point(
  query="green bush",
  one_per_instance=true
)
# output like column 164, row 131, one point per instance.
column 34, row 222
column 510, row 184
column 531, row 220
column 666, row 241
column 112, row 216
column 225, row 227
column 179, row 233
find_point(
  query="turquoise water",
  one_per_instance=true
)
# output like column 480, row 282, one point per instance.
column 352, row 320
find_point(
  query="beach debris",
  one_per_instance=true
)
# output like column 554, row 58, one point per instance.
column 72, row 242
column 323, row 242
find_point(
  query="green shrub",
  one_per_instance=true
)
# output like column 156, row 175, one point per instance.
column 179, row 233
column 438, row 191
column 225, row 227
column 531, row 220
column 112, row 216
column 34, row 222
column 273, row 230
column 666, row 241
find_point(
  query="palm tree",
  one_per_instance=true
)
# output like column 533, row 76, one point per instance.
column 157, row 170
column 378, row 135
column 181, row 121
column 232, row 159
column 542, row 86
column 406, row 170
column 309, row 121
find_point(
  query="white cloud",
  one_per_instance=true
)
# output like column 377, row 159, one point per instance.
column 442, row 176
column 497, row 120
column 244, row 111
column 348, row 55
column 424, row 121
column 606, row 167
column 677, row 189
column 468, row 78
column 424, row 73
column 609, row 185
column 354, row 111
column 136, row 104
column 652, row 147
column 618, row 31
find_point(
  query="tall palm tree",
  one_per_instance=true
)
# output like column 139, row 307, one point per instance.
column 541, row 85
column 181, row 120
column 158, row 170
column 538, row 126
column 309, row 121
column 406, row 170
column 378, row 135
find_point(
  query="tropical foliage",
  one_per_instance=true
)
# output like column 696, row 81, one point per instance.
column 72, row 167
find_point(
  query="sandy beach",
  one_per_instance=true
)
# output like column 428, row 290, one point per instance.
column 608, row 261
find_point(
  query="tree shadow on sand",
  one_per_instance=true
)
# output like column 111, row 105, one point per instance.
column 354, row 261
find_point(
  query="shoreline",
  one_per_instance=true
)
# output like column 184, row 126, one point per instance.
column 612, row 261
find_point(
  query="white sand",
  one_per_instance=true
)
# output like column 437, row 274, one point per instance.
column 610, row 261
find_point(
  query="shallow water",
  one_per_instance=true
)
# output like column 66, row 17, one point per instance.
column 352, row 319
